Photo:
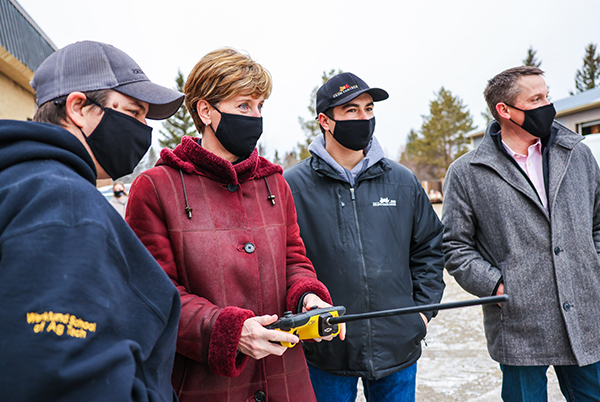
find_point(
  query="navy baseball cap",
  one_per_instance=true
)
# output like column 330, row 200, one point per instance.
column 92, row 66
column 342, row 89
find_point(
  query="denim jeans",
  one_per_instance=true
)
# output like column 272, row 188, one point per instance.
column 529, row 383
column 397, row 387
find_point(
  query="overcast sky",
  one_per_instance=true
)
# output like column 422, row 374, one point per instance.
column 410, row 49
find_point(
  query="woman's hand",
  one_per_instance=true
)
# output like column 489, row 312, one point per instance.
column 312, row 300
column 257, row 342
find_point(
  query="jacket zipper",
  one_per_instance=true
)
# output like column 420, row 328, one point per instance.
column 364, row 272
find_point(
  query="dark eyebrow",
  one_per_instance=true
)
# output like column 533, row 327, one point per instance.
column 141, row 105
column 349, row 105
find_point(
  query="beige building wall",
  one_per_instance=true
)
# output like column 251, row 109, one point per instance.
column 15, row 102
column 572, row 121
column 17, row 98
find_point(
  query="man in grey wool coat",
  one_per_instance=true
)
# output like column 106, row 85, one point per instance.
column 522, row 217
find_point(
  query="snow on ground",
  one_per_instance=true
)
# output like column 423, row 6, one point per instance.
column 455, row 365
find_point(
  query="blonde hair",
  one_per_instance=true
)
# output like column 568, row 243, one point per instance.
column 122, row 185
column 221, row 75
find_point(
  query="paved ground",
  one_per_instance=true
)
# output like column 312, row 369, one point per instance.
column 455, row 365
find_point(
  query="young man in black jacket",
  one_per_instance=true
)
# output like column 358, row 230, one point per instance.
column 375, row 242
column 88, row 314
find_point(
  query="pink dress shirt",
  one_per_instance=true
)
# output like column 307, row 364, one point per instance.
column 532, row 165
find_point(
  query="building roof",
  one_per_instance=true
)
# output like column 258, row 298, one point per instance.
column 22, row 37
column 478, row 132
column 579, row 102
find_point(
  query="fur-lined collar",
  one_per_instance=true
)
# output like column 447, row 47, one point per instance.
column 190, row 157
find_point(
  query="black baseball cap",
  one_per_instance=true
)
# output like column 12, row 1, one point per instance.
column 92, row 66
column 342, row 89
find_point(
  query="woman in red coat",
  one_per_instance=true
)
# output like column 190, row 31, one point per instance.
column 221, row 222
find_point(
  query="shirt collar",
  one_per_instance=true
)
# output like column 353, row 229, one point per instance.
column 537, row 146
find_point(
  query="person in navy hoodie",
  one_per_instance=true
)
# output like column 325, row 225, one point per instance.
column 87, row 313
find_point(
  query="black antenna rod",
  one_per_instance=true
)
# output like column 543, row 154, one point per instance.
column 417, row 309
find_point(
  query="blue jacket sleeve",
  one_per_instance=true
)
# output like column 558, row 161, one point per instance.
column 75, row 324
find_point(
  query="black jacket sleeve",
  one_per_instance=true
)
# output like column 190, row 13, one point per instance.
column 426, row 255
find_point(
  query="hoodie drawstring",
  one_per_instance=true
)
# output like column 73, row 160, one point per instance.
column 188, row 210
column 271, row 197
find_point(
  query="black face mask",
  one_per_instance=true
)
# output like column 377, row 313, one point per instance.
column 354, row 134
column 119, row 142
column 237, row 133
column 537, row 121
column 118, row 194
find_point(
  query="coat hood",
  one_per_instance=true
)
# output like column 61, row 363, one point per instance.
column 190, row 157
column 373, row 155
column 22, row 141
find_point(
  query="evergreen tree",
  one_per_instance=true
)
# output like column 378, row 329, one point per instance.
column 531, row 60
column 442, row 136
column 276, row 158
column 487, row 116
column 589, row 75
column 180, row 123
column 311, row 126
column 289, row 159
column 262, row 150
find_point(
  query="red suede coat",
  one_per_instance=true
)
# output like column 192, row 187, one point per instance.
column 239, row 255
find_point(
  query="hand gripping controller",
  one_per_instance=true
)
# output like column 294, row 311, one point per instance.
column 309, row 325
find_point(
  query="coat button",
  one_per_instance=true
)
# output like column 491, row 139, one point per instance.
column 249, row 248
column 232, row 187
column 567, row 306
column 557, row 250
column 260, row 396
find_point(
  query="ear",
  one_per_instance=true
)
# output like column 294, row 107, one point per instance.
column 503, row 110
column 74, row 108
column 325, row 122
column 203, row 109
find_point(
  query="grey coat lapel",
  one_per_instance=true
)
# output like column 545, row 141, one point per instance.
column 487, row 154
column 560, row 157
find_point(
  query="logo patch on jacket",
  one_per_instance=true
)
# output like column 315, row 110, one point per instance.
column 384, row 202
column 60, row 324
